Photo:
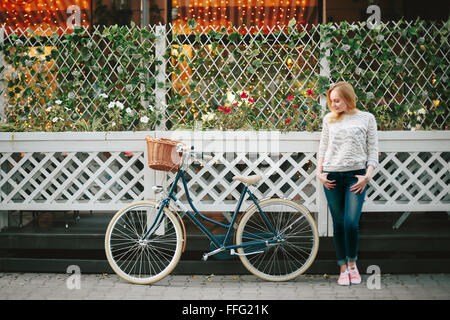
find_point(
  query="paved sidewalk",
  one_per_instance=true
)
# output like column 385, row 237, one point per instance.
column 52, row 286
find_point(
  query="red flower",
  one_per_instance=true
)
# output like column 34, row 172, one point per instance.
column 288, row 120
column 295, row 106
column 310, row 92
column 244, row 95
column 251, row 100
column 221, row 108
column 227, row 110
column 289, row 98
column 235, row 104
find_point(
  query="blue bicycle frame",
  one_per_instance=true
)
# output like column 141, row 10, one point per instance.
column 192, row 216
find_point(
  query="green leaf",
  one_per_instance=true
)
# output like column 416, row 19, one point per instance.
column 234, row 37
column 192, row 24
column 257, row 63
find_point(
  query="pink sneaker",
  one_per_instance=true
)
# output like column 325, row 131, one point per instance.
column 344, row 278
column 355, row 278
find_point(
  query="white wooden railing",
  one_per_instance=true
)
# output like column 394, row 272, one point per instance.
column 90, row 171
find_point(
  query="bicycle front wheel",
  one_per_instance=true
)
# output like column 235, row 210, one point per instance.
column 296, row 240
column 139, row 260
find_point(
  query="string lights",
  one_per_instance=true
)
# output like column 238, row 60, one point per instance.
column 42, row 14
column 245, row 13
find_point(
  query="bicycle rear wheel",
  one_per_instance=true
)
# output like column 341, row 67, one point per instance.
column 138, row 260
column 295, row 228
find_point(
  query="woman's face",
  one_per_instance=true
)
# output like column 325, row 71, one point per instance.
column 337, row 103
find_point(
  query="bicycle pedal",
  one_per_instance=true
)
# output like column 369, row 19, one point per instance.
column 206, row 255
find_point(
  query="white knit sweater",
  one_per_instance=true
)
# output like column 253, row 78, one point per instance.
column 349, row 144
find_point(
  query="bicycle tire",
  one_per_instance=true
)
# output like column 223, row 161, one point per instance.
column 137, row 261
column 285, row 260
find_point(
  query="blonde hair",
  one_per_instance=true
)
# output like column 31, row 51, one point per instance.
column 347, row 93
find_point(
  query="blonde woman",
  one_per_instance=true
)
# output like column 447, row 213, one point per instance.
column 348, row 155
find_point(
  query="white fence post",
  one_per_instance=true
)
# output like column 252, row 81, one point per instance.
column 2, row 83
column 3, row 214
column 158, row 177
column 160, row 84
column 322, row 208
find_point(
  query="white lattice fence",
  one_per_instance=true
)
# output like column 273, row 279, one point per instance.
column 186, row 77
column 104, row 171
column 210, row 69
column 76, row 77
column 400, row 68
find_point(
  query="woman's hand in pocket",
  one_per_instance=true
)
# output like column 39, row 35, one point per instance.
column 323, row 177
column 360, row 185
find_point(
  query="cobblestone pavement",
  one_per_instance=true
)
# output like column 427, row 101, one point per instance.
column 53, row 286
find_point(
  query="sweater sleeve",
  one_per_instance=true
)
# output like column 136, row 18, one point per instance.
column 372, row 143
column 323, row 145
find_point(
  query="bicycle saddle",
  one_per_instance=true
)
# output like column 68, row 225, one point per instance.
column 248, row 179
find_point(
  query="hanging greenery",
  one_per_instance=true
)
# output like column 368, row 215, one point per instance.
column 226, row 79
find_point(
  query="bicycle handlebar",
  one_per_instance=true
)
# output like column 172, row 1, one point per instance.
column 190, row 149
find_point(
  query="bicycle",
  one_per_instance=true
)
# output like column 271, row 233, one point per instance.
column 276, row 239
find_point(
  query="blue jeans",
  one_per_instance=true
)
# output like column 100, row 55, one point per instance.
column 345, row 207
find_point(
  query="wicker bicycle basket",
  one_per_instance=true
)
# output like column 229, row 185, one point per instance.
column 162, row 154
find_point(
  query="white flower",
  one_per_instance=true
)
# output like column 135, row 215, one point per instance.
column 422, row 111
column 398, row 60
column 370, row 96
column 113, row 124
column 120, row 105
column 358, row 71
column 379, row 38
column 208, row 117
column 231, row 97
column 71, row 95
column 211, row 116
column 48, row 109
column 129, row 111
column 345, row 47
column 111, row 105
column 55, row 119
column 144, row 119
column 58, row 102
column 103, row 95
column 358, row 52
